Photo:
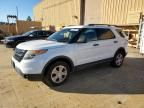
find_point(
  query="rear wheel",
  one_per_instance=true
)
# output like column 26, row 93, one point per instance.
column 118, row 59
column 57, row 74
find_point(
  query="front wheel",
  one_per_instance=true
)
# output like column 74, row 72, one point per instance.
column 57, row 74
column 118, row 59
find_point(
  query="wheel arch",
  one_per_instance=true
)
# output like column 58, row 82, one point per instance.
column 58, row 58
column 121, row 49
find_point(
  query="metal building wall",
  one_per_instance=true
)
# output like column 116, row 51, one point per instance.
column 93, row 11
column 118, row 12
column 64, row 12
column 38, row 11
column 58, row 12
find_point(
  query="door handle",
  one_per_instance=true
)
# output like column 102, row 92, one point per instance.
column 115, row 41
column 95, row 44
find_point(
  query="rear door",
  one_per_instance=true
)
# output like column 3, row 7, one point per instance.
column 46, row 34
column 40, row 35
column 108, row 43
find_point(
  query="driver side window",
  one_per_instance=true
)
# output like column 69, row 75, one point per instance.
column 88, row 35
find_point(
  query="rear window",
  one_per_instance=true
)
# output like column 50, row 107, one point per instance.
column 121, row 33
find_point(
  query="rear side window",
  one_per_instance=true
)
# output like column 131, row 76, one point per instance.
column 40, row 33
column 46, row 33
column 35, row 33
column 104, row 34
column 121, row 33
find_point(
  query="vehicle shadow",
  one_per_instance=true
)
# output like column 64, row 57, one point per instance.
column 103, row 79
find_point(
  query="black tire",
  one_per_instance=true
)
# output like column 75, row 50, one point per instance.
column 48, row 80
column 115, row 63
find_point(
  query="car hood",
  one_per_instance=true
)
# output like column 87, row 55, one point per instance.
column 14, row 37
column 40, row 44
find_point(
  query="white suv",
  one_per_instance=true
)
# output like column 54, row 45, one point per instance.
column 53, row 59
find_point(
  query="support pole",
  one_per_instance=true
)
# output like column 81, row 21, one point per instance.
column 139, row 32
column 82, row 12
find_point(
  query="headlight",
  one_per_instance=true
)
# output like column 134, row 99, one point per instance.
column 32, row 53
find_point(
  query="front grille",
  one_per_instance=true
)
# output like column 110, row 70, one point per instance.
column 19, row 54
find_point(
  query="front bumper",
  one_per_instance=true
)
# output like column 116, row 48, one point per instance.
column 10, row 44
column 20, row 71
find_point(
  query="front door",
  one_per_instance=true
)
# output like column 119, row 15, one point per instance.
column 86, row 47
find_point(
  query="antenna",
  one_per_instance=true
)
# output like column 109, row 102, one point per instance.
column 17, row 12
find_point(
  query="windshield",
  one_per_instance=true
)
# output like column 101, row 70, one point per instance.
column 27, row 33
column 65, row 35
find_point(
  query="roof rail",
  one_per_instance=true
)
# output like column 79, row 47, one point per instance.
column 71, row 25
column 100, row 25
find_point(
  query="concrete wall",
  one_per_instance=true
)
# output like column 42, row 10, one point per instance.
column 57, row 12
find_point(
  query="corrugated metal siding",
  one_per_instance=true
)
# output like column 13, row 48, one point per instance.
column 61, row 12
column 116, row 11
column 112, row 11
column 58, row 12
column 93, row 11
column 38, row 11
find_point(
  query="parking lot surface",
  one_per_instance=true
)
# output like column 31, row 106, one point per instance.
column 100, row 86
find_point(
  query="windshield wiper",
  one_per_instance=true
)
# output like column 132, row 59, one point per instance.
column 62, row 41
